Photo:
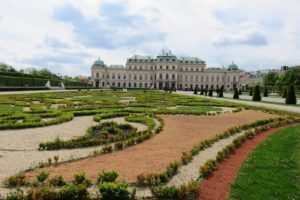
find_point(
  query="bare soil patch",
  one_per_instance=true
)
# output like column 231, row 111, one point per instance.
column 181, row 133
column 217, row 186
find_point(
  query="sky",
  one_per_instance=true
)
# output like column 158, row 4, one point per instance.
column 67, row 36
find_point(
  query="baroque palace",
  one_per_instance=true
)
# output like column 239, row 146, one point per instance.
column 164, row 71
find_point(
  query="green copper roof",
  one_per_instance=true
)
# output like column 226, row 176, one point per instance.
column 98, row 63
column 232, row 67
column 166, row 55
column 191, row 60
column 138, row 57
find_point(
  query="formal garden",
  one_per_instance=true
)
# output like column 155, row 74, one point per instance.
column 119, row 144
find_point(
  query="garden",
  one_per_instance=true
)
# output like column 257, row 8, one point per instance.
column 115, row 144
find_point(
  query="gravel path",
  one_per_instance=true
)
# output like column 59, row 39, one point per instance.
column 190, row 172
column 251, row 103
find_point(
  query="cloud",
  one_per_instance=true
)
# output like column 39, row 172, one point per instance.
column 247, row 38
column 113, row 28
column 54, row 42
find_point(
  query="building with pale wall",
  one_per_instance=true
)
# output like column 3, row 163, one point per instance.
column 164, row 71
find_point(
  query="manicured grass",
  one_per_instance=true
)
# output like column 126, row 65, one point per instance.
column 272, row 171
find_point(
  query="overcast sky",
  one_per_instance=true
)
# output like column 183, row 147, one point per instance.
column 66, row 36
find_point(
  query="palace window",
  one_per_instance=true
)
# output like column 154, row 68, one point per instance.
column 97, row 75
column 173, row 76
column 167, row 67
column 173, row 67
column 167, row 76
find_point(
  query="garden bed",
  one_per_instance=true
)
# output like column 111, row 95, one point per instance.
column 180, row 133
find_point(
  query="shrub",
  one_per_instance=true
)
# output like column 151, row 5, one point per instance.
column 119, row 145
column 57, row 181
column 42, row 176
column 291, row 96
column 107, row 149
column 186, row 158
column 72, row 192
column 115, row 191
column 80, row 179
column 207, row 168
column 43, row 193
column 256, row 95
column 107, row 176
column 13, row 181
column 183, row 192
column 17, row 195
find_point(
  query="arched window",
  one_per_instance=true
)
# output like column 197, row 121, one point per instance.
column 167, row 76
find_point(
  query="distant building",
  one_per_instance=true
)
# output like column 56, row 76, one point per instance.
column 164, row 71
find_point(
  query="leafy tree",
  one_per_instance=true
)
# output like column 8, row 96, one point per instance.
column 6, row 68
column 236, row 93
column 256, row 94
column 270, row 79
column 266, row 92
column 291, row 96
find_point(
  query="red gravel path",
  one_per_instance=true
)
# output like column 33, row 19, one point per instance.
column 217, row 186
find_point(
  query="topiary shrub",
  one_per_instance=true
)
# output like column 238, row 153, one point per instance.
column 115, row 191
column 291, row 96
column 72, row 192
column 107, row 176
column 57, row 181
column 13, row 181
column 236, row 93
column 256, row 94
column 80, row 179
column 221, row 91
column 42, row 176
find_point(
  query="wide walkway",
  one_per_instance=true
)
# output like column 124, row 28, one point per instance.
column 251, row 103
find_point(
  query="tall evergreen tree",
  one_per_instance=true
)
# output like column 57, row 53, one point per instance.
column 236, row 93
column 266, row 92
column 196, row 90
column 202, row 90
column 210, row 92
column 240, row 91
column 251, row 92
column 256, row 94
column 221, row 91
column 291, row 96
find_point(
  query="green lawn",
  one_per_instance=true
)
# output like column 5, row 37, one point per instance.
column 271, row 171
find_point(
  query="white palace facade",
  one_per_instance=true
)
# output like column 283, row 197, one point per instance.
column 164, row 71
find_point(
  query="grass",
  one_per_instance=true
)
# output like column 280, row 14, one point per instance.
column 272, row 171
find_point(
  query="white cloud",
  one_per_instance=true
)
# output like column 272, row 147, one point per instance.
column 215, row 31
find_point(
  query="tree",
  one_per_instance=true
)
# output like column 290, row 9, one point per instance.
column 256, row 94
column 270, row 79
column 202, row 90
column 236, row 93
column 291, row 96
column 284, row 95
column 210, row 93
column 196, row 90
column 205, row 91
column 240, row 91
column 6, row 68
column 221, row 91
column 250, row 92
column 266, row 92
